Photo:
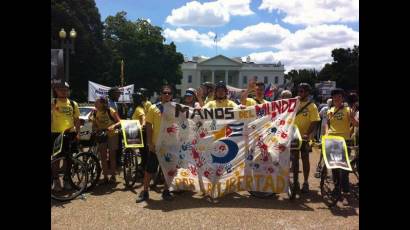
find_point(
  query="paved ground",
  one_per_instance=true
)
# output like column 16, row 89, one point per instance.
column 114, row 207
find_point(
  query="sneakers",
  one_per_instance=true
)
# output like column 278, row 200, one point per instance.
column 57, row 185
column 67, row 185
column 143, row 196
column 305, row 187
column 166, row 195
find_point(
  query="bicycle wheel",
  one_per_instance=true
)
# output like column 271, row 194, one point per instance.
column 327, row 187
column 73, row 173
column 130, row 165
column 94, row 168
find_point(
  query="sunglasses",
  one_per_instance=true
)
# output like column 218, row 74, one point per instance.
column 167, row 93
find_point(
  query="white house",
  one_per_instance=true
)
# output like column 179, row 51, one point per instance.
column 233, row 71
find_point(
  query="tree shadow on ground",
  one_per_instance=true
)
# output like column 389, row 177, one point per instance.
column 190, row 200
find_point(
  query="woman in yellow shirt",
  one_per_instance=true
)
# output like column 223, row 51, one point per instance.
column 140, row 114
column 339, row 119
column 107, row 119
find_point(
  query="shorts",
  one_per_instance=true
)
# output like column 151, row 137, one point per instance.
column 152, row 163
column 66, row 142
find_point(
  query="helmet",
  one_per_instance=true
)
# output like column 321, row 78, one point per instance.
column 305, row 86
column 190, row 92
column 62, row 85
column 221, row 84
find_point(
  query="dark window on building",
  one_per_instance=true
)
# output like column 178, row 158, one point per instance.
column 190, row 79
column 276, row 80
column 265, row 80
column 245, row 79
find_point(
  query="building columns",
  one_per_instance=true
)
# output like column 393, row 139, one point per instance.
column 226, row 77
column 213, row 76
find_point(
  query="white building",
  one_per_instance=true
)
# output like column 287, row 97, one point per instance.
column 233, row 71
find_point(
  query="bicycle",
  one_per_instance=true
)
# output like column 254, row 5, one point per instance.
column 328, row 181
column 73, row 171
column 294, row 185
column 131, row 164
column 93, row 161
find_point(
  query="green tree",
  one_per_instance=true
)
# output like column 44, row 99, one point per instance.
column 92, row 59
column 344, row 69
column 148, row 61
column 309, row 76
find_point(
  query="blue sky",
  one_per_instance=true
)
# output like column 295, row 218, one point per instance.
column 299, row 33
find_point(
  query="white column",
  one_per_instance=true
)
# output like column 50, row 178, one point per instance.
column 213, row 76
column 226, row 77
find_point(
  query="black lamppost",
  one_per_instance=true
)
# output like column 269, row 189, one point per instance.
column 67, row 45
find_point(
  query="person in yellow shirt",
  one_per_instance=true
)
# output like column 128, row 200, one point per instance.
column 307, row 118
column 221, row 100
column 139, row 114
column 207, row 89
column 259, row 89
column 153, row 125
column 64, row 118
column 145, row 102
column 340, row 117
column 106, row 118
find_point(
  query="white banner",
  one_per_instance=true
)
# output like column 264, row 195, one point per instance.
column 96, row 90
column 225, row 150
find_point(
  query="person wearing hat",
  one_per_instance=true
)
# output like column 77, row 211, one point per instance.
column 207, row 90
column 190, row 98
column 106, row 118
column 221, row 100
column 340, row 118
column 145, row 102
column 65, row 115
column 306, row 119
column 113, row 96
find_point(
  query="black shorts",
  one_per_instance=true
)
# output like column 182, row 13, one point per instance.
column 66, row 141
column 152, row 163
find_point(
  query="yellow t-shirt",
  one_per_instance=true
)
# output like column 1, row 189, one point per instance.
column 139, row 111
column 103, row 120
column 208, row 99
column 62, row 116
column 154, row 117
column 339, row 122
column 220, row 104
column 306, row 117
column 146, row 105
column 251, row 102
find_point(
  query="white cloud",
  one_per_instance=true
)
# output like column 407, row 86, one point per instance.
column 310, row 47
column 314, row 12
column 321, row 36
column 256, row 36
column 237, row 7
column 215, row 13
column 191, row 35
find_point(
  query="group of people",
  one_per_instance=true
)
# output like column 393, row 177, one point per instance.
column 334, row 118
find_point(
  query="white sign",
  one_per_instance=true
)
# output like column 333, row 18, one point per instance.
column 96, row 90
